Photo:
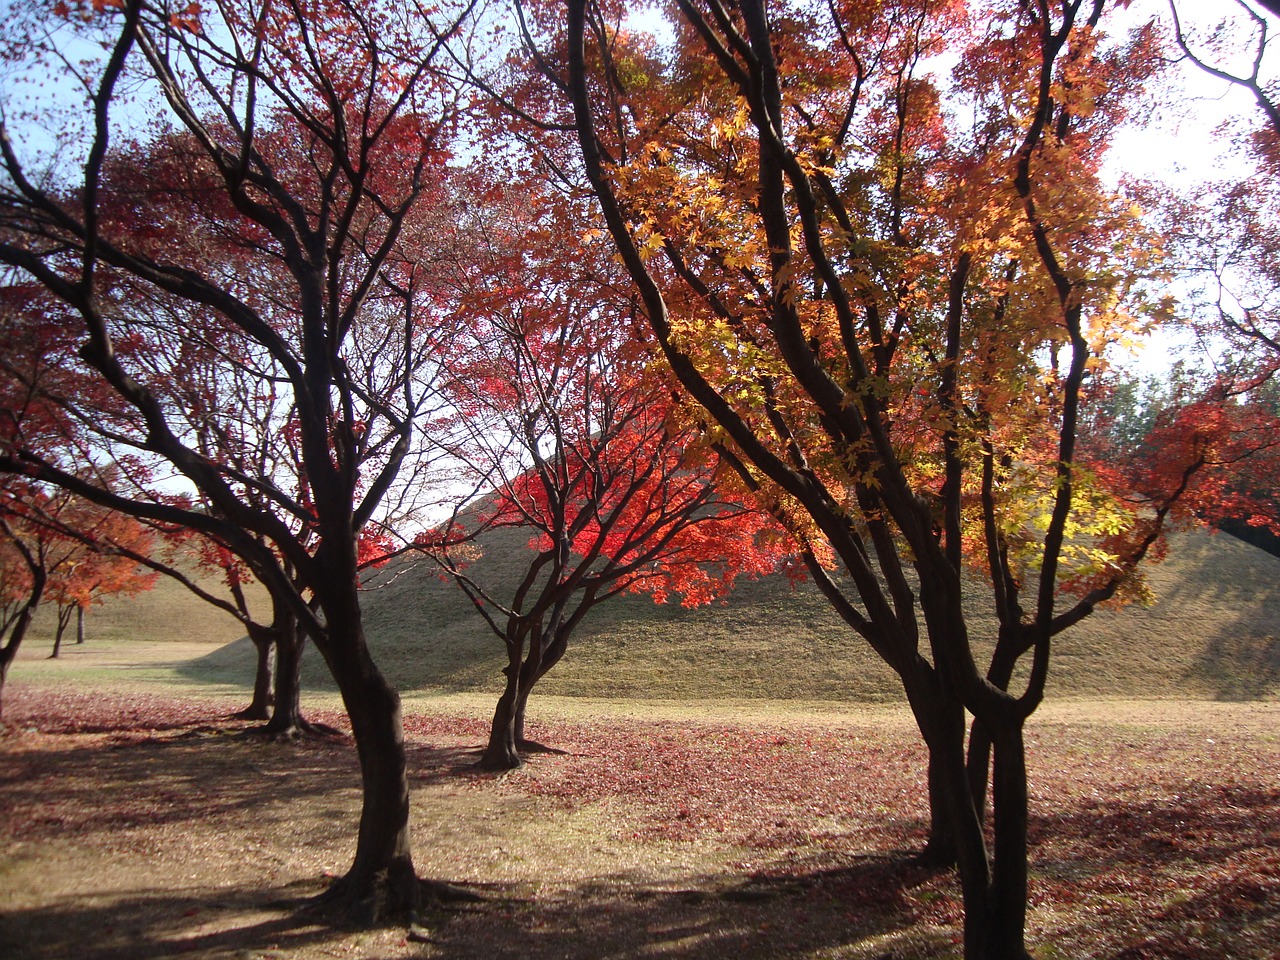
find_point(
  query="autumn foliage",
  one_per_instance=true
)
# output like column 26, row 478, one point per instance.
column 828, row 286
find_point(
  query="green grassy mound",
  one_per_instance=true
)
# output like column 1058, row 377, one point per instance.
column 1212, row 633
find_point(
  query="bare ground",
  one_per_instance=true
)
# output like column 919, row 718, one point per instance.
column 145, row 826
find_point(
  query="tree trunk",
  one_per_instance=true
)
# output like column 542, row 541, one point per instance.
column 7, row 654
column 517, row 722
column 501, row 752
column 1003, row 662
column 381, row 882
column 532, row 670
column 259, row 707
column 1006, row 934
column 64, row 620
column 19, row 628
column 286, row 717
column 956, row 826
column 79, row 624
column 940, row 848
column 941, row 721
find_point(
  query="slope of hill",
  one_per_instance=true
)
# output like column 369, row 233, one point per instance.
column 1213, row 632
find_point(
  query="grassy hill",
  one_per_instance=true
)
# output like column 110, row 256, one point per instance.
column 1213, row 632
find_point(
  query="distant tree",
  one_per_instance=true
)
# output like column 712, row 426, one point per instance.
column 303, row 137
column 91, row 563
column 572, row 435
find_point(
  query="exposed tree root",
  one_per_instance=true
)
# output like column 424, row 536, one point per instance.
column 252, row 712
column 532, row 746
column 385, row 901
column 289, row 732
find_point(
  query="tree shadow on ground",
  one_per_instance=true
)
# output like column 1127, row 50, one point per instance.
column 1240, row 668
column 866, row 905
column 142, row 842
column 192, row 922
column 1200, row 867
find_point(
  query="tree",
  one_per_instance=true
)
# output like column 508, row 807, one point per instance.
column 887, row 290
column 571, row 433
column 1229, row 239
column 308, row 136
column 23, row 576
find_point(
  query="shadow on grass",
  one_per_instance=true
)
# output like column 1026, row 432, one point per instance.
column 145, row 924
column 160, row 842
column 865, row 907
column 709, row 918
column 1239, row 669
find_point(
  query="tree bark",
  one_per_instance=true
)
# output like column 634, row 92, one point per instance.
column 381, row 882
column 79, row 624
column 286, row 716
column 64, row 620
column 1006, row 935
column 20, row 626
column 501, row 752
column 1003, row 661
column 259, row 707
column 530, row 673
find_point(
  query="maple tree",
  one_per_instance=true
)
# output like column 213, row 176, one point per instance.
column 94, row 563
column 569, row 430
column 58, row 547
column 301, row 137
column 888, row 290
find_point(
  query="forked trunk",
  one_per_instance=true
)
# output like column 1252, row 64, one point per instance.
column 994, row 885
column 517, row 723
column 531, row 671
column 1003, row 663
column 18, row 629
column 1007, row 911
column 64, row 621
column 6, row 658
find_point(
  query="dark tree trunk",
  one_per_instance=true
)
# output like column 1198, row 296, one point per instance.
column 18, row 630
column 993, row 884
column 1003, row 661
column 517, row 722
column 941, row 720
column 64, row 621
column 1006, row 935
column 7, row 653
column 940, row 848
column 531, row 671
column 264, row 645
column 286, row 716
column 501, row 752
column 381, row 883
column 79, row 624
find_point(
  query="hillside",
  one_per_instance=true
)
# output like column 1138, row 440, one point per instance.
column 1212, row 633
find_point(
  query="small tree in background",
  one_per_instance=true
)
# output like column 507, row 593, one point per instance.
column 569, row 427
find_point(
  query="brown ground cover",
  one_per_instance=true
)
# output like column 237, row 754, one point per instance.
column 147, row 826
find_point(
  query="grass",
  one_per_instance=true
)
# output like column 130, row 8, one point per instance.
column 1211, row 634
